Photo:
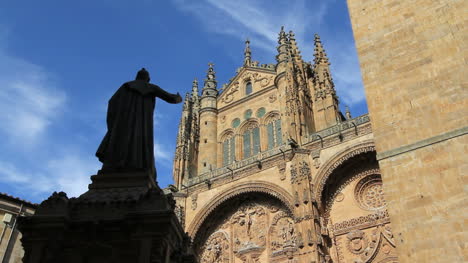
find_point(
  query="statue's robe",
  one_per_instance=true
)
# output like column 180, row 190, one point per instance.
column 128, row 143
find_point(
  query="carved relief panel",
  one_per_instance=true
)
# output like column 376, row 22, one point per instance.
column 361, row 225
column 253, row 230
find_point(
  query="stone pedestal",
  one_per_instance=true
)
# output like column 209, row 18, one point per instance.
column 123, row 217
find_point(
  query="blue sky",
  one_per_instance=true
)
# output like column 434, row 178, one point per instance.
column 60, row 62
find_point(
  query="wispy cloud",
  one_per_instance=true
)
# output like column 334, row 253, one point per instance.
column 258, row 20
column 29, row 101
column 69, row 173
column 161, row 152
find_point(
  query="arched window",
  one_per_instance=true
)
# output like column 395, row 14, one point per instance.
column 248, row 88
column 229, row 150
column 251, row 140
column 274, row 132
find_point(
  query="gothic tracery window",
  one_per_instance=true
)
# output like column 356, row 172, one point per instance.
column 251, row 140
column 229, row 150
column 274, row 132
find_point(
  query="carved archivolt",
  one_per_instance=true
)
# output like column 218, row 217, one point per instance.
column 360, row 192
column 334, row 162
column 248, row 187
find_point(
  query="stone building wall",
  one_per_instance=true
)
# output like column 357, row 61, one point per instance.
column 11, row 250
column 413, row 58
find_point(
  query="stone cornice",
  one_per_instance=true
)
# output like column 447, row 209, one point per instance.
column 423, row 143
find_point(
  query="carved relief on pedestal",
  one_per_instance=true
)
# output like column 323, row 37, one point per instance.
column 216, row 249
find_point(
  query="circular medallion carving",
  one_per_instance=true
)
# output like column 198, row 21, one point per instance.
column 357, row 242
column 339, row 197
column 369, row 193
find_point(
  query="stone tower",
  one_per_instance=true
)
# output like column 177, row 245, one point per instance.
column 269, row 170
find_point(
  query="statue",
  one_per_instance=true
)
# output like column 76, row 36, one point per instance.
column 128, row 144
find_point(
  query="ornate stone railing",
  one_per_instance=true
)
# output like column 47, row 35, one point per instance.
column 237, row 165
column 349, row 124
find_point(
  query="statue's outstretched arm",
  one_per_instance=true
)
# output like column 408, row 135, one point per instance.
column 166, row 96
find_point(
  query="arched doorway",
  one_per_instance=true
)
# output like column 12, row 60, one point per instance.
column 249, row 227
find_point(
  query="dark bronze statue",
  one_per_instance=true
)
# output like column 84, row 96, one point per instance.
column 128, row 144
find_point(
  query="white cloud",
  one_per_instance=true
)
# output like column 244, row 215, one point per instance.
column 69, row 173
column 258, row 20
column 29, row 102
column 161, row 152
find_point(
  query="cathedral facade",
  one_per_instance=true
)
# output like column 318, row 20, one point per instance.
column 267, row 168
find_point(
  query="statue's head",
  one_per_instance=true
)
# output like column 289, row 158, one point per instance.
column 143, row 75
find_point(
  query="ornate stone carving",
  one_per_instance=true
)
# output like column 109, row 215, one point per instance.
column 249, row 228
column 357, row 242
column 180, row 213
column 361, row 222
column 282, row 233
column 336, row 196
column 298, row 175
column 194, row 201
column 369, row 193
column 229, row 97
column 339, row 197
column 249, row 187
column 335, row 162
column 272, row 98
column 216, row 249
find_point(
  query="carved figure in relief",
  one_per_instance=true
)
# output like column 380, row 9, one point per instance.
column 216, row 249
column 282, row 233
column 249, row 227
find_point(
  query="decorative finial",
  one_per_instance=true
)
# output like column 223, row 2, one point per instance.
column 247, row 54
column 210, row 82
column 283, row 47
column 348, row 113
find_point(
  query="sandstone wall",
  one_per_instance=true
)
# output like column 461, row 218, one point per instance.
column 413, row 58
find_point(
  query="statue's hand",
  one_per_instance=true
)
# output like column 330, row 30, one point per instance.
column 178, row 98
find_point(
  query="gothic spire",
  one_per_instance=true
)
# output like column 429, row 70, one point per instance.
column 283, row 47
column 293, row 46
column 209, row 89
column 186, row 102
column 322, row 75
column 195, row 87
column 319, row 52
column 247, row 54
